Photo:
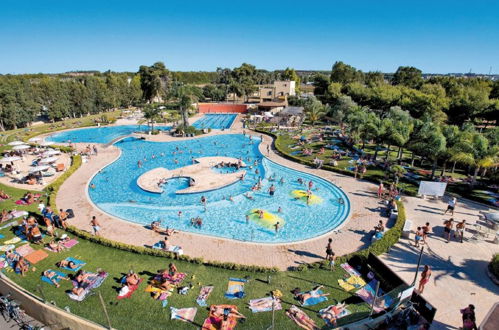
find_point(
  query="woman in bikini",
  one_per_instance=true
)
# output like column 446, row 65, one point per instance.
column 425, row 278
column 67, row 264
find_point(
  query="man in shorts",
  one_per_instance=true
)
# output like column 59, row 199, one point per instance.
column 451, row 205
column 448, row 228
column 95, row 225
column 460, row 229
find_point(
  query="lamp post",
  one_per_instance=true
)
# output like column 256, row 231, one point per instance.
column 417, row 268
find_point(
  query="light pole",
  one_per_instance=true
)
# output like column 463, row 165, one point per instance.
column 417, row 268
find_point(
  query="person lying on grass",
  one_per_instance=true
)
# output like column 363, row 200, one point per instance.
column 22, row 266
column 67, row 264
column 304, row 296
column 3, row 195
column 131, row 279
column 54, row 277
column 56, row 246
column 80, row 282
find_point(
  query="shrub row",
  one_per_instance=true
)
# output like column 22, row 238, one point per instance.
column 383, row 245
column 494, row 265
column 53, row 188
column 160, row 253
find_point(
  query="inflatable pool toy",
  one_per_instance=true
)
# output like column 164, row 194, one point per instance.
column 302, row 195
column 268, row 220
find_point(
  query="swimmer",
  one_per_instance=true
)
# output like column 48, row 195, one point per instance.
column 248, row 196
column 92, row 186
column 281, row 181
column 279, row 210
column 260, row 213
column 277, row 226
column 231, row 199
column 341, row 201
column 247, row 218
column 139, row 164
column 179, row 214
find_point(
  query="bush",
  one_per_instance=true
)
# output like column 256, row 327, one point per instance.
column 494, row 265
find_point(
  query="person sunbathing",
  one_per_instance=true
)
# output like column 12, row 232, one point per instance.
column 155, row 226
column 170, row 231
column 55, row 246
column 53, row 277
column 5, row 215
column 131, row 278
column 11, row 257
column 332, row 313
column 225, row 315
column 304, row 296
column 301, row 319
column 22, row 266
column 81, row 282
column 67, row 264
column 3, row 195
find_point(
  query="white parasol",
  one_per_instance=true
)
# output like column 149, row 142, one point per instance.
column 51, row 152
column 16, row 143
column 46, row 143
column 9, row 159
column 35, row 139
column 48, row 160
column 21, row 147
column 39, row 168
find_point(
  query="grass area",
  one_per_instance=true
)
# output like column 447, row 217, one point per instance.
column 141, row 311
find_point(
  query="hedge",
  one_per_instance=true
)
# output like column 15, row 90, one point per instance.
column 383, row 245
column 494, row 265
column 160, row 253
column 311, row 164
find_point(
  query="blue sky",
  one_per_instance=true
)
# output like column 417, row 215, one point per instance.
column 188, row 35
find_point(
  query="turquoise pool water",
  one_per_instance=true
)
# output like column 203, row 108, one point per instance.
column 116, row 192
column 103, row 134
column 215, row 121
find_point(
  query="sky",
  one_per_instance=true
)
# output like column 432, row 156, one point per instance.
column 437, row 36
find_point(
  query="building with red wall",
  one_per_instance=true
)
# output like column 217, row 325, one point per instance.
column 222, row 108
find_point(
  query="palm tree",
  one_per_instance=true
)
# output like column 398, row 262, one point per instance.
column 398, row 171
column 315, row 111
column 151, row 114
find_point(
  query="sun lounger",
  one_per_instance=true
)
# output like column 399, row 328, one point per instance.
column 301, row 319
column 183, row 314
column 204, row 293
column 59, row 167
column 49, row 281
column 264, row 304
column 235, row 288
column 77, row 262
column 332, row 313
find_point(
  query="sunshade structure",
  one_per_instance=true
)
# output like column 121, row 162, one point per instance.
column 51, row 152
column 46, row 143
column 48, row 160
column 16, row 143
column 9, row 159
column 39, row 168
column 21, row 147
column 35, row 139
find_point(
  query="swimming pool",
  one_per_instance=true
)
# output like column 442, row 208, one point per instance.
column 215, row 121
column 117, row 193
column 103, row 134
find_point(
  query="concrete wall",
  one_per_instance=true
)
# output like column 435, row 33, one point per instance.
column 222, row 108
column 47, row 314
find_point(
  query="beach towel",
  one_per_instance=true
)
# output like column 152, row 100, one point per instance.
column 332, row 313
column 159, row 293
column 315, row 299
column 214, row 322
column 235, row 288
column 77, row 262
column 183, row 314
column 46, row 279
column 128, row 290
column 204, row 293
column 7, row 247
column 24, row 250
column 1, row 236
column 17, row 214
column 175, row 279
column 172, row 248
column 69, row 244
column 14, row 240
column 95, row 281
column 264, row 304
column 298, row 315
column 10, row 224
column 353, row 282
column 36, row 256
column 349, row 269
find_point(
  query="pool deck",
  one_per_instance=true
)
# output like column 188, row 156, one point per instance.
column 205, row 179
column 459, row 269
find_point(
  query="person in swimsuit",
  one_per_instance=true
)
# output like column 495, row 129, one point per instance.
column 448, row 228
column 95, row 225
column 426, row 231
column 460, row 229
column 53, row 277
column 67, row 264
column 418, row 237
column 425, row 278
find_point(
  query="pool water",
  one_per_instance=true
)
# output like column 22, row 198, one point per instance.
column 103, row 134
column 117, row 193
column 215, row 121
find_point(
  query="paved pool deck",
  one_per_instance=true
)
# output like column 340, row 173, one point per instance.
column 459, row 269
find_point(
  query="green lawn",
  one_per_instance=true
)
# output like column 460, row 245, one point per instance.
column 141, row 311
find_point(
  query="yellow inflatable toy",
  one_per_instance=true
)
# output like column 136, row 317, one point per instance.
column 268, row 219
column 302, row 195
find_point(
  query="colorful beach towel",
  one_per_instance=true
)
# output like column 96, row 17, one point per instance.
column 353, row 282
column 128, row 290
column 17, row 214
column 175, row 279
column 332, row 313
column 214, row 322
column 69, row 244
column 158, row 292
column 36, row 256
column 204, row 293
column 183, row 314
column 7, row 247
column 48, row 280
column 349, row 269
column 264, row 304
column 14, row 240
column 24, row 250
column 77, row 262
column 235, row 288
column 300, row 318
column 315, row 298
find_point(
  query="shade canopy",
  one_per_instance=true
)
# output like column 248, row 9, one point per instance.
column 9, row 159
column 16, row 143
column 21, row 147
column 35, row 139
column 48, row 160
column 39, row 168
column 46, row 143
column 51, row 152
